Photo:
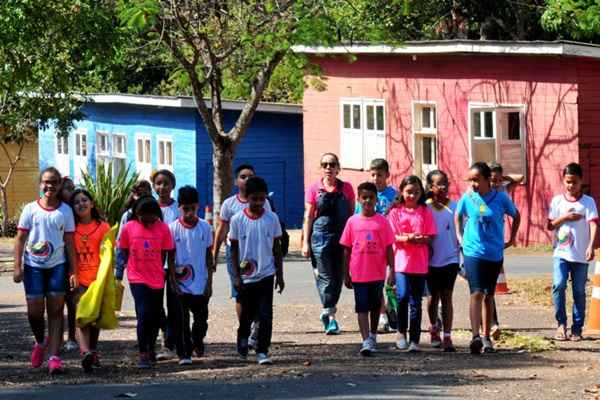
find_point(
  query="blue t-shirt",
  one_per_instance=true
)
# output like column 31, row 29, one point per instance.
column 484, row 228
column 385, row 199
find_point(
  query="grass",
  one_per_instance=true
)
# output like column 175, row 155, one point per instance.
column 511, row 340
column 517, row 341
column 538, row 290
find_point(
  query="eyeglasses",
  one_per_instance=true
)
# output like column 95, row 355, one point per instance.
column 329, row 164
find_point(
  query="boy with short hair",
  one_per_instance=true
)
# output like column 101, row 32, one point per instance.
column 367, row 241
column 255, row 235
column 379, row 170
column 573, row 218
column 193, row 239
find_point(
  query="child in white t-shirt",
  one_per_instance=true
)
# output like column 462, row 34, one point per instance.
column 43, row 245
column 574, row 219
column 258, row 265
column 193, row 238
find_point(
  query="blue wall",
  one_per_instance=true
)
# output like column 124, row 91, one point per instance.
column 273, row 144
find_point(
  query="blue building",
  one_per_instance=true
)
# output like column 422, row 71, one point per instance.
column 156, row 132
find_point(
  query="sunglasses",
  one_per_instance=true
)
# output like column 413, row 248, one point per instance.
column 329, row 164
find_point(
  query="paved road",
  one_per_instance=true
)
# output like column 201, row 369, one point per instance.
column 300, row 287
column 408, row 387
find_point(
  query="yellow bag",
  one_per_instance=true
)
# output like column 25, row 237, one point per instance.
column 97, row 305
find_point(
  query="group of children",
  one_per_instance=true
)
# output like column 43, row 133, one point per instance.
column 410, row 242
column 415, row 243
column 162, row 243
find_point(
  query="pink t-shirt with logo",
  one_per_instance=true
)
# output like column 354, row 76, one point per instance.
column 145, row 246
column 369, row 238
column 411, row 258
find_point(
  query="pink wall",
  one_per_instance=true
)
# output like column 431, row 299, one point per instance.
column 547, row 86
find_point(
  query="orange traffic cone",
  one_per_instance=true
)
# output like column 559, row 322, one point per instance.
column 593, row 320
column 501, row 286
column 208, row 214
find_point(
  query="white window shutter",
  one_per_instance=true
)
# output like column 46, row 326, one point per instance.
column 351, row 139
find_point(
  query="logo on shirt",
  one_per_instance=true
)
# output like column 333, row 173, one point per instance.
column 564, row 237
column 184, row 274
column 40, row 252
column 248, row 267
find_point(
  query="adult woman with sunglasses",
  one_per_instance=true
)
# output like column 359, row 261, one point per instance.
column 329, row 203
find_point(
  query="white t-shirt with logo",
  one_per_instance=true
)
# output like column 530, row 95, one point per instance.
column 45, row 247
column 191, row 245
column 233, row 205
column 170, row 213
column 444, row 243
column 255, row 237
column 572, row 238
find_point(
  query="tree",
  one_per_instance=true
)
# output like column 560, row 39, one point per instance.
column 48, row 50
column 576, row 19
column 229, row 41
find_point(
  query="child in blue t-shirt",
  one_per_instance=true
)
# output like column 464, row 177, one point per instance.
column 483, row 246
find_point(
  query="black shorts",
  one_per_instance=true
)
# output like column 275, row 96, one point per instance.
column 482, row 274
column 368, row 296
column 442, row 279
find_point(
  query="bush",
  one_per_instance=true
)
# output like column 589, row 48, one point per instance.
column 110, row 193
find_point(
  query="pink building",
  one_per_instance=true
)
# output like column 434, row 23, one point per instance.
column 532, row 106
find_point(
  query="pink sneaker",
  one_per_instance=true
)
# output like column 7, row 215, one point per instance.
column 55, row 366
column 37, row 355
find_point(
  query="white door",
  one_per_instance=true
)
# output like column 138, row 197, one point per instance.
column 374, row 139
column 62, row 155
column 80, row 161
column 143, row 151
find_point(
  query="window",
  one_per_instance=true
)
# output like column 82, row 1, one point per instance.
column 143, row 150
column 102, row 149
column 143, row 156
column 363, row 135
column 497, row 135
column 81, row 145
column 119, row 154
column 165, row 152
column 424, row 137
column 62, row 145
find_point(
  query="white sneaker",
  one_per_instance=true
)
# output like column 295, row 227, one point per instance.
column 373, row 340
column 401, row 343
column 165, row 354
column 185, row 361
column 263, row 359
column 413, row 348
column 366, row 348
column 71, row 345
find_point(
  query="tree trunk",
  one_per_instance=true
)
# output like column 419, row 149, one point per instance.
column 223, row 153
column 4, row 210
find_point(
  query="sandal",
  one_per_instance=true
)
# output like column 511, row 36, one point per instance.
column 575, row 337
column 561, row 334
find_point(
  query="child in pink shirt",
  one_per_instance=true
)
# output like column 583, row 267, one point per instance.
column 146, row 241
column 367, row 241
column 413, row 227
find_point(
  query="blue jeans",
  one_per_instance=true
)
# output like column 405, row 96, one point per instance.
column 42, row 282
column 409, row 289
column 228, row 260
column 579, row 274
column 327, row 260
column 148, row 305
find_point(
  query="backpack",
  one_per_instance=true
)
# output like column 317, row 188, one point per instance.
column 285, row 237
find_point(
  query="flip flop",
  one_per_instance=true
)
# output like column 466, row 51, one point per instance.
column 560, row 335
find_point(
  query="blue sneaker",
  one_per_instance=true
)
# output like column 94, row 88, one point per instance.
column 332, row 328
column 324, row 320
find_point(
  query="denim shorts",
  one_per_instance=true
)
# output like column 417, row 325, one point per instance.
column 482, row 274
column 42, row 282
column 368, row 296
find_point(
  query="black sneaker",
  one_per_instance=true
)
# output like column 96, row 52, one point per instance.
column 488, row 347
column 199, row 350
column 87, row 362
column 476, row 345
column 242, row 348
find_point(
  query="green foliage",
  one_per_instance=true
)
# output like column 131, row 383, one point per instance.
column 577, row 19
column 110, row 192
